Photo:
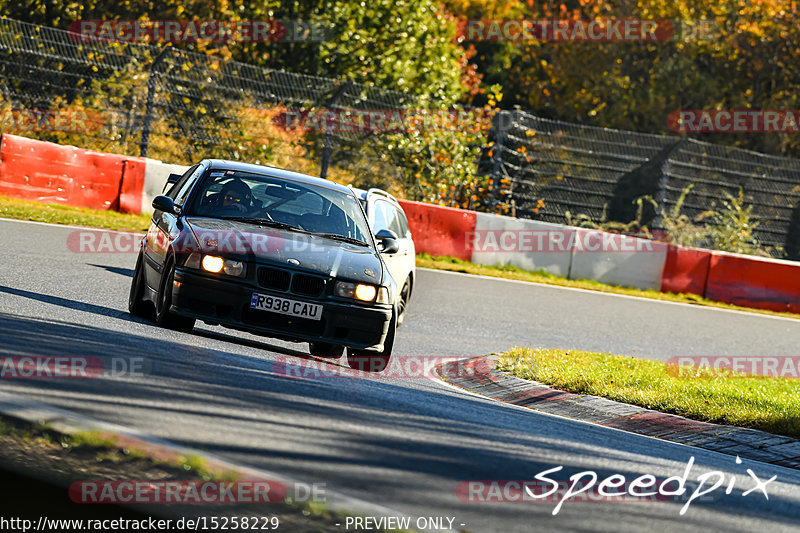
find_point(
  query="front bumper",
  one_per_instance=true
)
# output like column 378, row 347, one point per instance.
column 226, row 302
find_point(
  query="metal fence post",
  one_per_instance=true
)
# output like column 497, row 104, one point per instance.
column 151, row 95
column 502, row 124
column 661, row 195
column 327, row 148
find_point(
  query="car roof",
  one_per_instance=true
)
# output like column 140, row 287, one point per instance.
column 362, row 194
column 225, row 164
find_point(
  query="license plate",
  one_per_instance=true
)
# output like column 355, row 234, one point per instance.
column 285, row 306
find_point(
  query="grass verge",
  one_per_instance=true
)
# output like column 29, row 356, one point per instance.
column 77, row 216
column 38, row 452
column 764, row 403
column 453, row 264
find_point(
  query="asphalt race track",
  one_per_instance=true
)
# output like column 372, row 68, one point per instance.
column 402, row 443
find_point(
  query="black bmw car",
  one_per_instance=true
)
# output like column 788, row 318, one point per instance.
column 271, row 252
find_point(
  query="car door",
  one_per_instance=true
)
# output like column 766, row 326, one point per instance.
column 164, row 229
column 386, row 216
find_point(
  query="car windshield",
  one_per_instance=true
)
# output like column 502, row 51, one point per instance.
column 283, row 202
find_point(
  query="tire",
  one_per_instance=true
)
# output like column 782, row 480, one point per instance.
column 325, row 350
column 136, row 304
column 402, row 301
column 164, row 317
column 365, row 361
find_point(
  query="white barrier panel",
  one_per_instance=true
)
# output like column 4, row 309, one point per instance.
column 526, row 244
column 155, row 177
column 618, row 259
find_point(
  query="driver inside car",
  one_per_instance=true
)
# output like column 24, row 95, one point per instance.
column 236, row 196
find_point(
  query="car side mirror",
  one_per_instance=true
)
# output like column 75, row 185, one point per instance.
column 164, row 203
column 388, row 241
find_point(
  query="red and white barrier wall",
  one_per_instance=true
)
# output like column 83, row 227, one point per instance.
column 52, row 173
column 617, row 259
column 527, row 244
column 578, row 253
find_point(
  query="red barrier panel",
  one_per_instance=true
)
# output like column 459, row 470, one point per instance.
column 754, row 282
column 440, row 230
column 52, row 173
column 685, row 270
column 131, row 187
column 34, row 170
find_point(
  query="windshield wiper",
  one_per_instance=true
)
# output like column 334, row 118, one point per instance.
column 267, row 223
column 342, row 238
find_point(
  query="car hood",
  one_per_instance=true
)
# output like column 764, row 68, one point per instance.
column 264, row 245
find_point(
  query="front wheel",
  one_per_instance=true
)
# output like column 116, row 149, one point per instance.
column 365, row 361
column 136, row 304
column 402, row 302
column 164, row 316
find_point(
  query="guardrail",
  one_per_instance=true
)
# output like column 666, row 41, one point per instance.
column 577, row 253
column 48, row 172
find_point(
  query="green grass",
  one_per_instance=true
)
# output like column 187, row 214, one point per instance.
column 77, row 216
column 453, row 264
column 765, row 403
column 93, row 439
column 104, row 448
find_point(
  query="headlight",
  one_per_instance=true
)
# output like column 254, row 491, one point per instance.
column 357, row 291
column 234, row 268
column 365, row 293
column 212, row 263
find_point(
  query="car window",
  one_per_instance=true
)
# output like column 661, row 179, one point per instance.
column 317, row 209
column 390, row 218
column 179, row 185
column 379, row 220
column 180, row 197
column 303, row 203
column 401, row 218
